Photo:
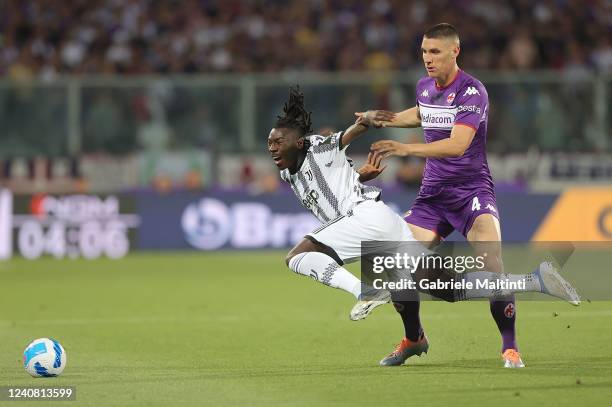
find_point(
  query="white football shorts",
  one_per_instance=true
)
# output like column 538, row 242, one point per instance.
column 368, row 221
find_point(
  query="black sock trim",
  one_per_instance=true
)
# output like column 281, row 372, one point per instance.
column 326, row 249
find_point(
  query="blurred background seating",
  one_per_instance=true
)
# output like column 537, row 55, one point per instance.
column 107, row 95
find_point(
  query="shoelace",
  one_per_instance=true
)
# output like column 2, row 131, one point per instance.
column 570, row 289
column 398, row 348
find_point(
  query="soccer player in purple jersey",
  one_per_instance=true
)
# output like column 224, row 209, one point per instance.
column 457, row 190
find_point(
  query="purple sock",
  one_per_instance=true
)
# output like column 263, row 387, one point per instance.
column 409, row 311
column 504, row 313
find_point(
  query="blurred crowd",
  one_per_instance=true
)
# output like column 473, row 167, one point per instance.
column 46, row 38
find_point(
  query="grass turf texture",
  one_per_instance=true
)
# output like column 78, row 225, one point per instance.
column 239, row 328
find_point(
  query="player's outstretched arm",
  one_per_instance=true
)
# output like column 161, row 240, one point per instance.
column 361, row 126
column 371, row 169
column 408, row 118
column 460, row 139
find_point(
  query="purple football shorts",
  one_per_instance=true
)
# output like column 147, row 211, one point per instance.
column 444, row 208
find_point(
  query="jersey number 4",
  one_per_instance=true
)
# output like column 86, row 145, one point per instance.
column 475, row 204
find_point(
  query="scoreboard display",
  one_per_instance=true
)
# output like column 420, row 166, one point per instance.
column 66, row 226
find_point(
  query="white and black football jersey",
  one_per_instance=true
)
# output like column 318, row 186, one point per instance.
column 326, row 183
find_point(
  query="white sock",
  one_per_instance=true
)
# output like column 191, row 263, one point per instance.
column 325, row 270
column 529, row 282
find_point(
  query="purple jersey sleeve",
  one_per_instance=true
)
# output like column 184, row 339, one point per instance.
column 472, row 104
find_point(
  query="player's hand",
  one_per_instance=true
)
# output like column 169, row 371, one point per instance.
column 387, row 148
column 376, row 118
column 371, row 169
column 365, row 121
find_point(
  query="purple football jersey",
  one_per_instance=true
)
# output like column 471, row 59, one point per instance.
column 463, row 101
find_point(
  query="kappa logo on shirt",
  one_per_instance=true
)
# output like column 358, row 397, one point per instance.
column 471, row 91
column 425, row 93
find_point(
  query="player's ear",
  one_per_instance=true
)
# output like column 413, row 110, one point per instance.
column 456, row 50
column 300, row 143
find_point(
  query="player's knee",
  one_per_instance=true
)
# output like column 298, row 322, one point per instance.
column 288, row 258
column 485, row 231
column 291, row 255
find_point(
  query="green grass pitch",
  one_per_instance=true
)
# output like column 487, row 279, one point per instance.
column 240, row 329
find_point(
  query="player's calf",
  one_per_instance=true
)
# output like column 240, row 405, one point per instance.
column 484, row 284
column 322, row 268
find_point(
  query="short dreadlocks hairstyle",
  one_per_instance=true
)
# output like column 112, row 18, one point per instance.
column 295, row 115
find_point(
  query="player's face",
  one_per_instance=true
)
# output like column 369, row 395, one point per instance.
column 284, row 146
column 439, row 56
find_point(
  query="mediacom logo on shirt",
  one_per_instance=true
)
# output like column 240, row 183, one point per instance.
column 439, row 118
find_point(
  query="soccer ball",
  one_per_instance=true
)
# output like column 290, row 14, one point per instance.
column 44, row 357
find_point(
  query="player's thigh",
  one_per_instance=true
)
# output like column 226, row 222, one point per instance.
column 369, row 222
column 309, row 245
column 342, row 236
column 427, row 221
column 427, row 237
column 485, row 238
column 485, row 228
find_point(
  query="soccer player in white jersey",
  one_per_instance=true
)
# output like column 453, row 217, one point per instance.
column 323, row 179
column 325, row 182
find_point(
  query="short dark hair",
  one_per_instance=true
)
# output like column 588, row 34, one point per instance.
column 295, row 115
column 442, row 30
